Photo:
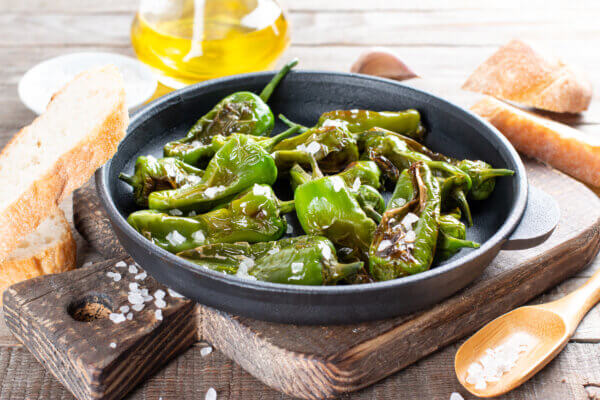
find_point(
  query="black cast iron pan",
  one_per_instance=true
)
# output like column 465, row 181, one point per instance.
column 514, row 217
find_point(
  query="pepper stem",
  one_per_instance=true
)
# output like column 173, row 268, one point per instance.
column 338, row 271
column 127, row 178
column 494, row 172
column 460, row 243
column 299, row 176
column 291, row 124
column 371, row 213
column 463, row 204
column 272, row 142
column 287, row 206
column 268, row 90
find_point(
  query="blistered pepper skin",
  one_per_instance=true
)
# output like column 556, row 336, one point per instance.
column 303, row 260
column 253, row 216
column 151, row 174
column 327, row 207
column 240, row 112
column 407, row 122
column 237, row 166
column 451, row 237
column 393, row 253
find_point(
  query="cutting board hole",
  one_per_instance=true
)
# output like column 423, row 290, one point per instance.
column 90, row 308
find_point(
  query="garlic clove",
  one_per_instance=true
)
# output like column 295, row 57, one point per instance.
column 382, row 62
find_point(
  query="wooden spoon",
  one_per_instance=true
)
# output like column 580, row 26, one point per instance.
column 547, row 328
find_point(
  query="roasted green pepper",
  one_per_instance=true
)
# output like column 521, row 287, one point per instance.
column 151, row 175
column 452, row 236
column 405, row 240
column 327, row 207
column 332, row 147
column 253, row 216
column 303, row 260
column 407, row 122
column 483, row 177
column 239, row 164
column 240, row 112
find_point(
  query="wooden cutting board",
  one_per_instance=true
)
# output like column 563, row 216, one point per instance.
column 62, row 319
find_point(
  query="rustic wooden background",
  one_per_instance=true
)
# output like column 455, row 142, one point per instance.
column 443, row 41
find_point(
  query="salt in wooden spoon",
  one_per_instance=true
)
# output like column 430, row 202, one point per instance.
column 546, row 329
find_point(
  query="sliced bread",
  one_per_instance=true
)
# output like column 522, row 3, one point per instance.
column 559, row 145
column 516, row 72
column 59, row 151
column 48, row 250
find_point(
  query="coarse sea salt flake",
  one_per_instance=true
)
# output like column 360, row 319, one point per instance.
column 410, row 236
column 133, row 286
column 160, row 303
column 313, row 148
column 132, row 269
column 205, row 351
column 159, row 294
column 116, row 277
column 384, row 244
column 211, row 394
column 113, row 345
column 338, row 183
column 456, row 396
column 297, row 267
column 135, row 298
column 173, row 293
column 176, row 212
column 124, row 309
column 121, row 264
column 129, row 316
column 175, row 238
column 198, row 237
column 158, row 315
column 409, row 220
column 141, row 276
column 138, row 307
column 117, row 318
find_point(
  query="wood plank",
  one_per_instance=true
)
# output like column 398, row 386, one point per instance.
column 91, row 6
column 190, row 375
column 447, row 28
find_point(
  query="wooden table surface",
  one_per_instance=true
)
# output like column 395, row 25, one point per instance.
column 442, row 41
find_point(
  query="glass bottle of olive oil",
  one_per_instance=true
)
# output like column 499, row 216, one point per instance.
column 186, row 41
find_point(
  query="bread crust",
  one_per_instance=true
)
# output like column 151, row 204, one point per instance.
column 516, row 72
column 57, row 258
column 69, row 172
column 559, row 145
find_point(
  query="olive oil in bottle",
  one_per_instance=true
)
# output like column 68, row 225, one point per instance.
column 186, row 41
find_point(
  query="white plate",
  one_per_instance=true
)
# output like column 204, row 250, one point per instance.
column 39, row 83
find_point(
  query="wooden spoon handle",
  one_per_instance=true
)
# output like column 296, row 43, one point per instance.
column 576, row 305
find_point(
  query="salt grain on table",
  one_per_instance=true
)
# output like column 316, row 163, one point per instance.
column 159, row 294
column 117, row 318
column 137, row 307
column 160, row 303
column 141, row 276
column 158, row 315
column 456, row 396
column 113, row 345
column 174, row 294
column 124, row 309
column 205, row 351
column 211, row 394
column 120, row 264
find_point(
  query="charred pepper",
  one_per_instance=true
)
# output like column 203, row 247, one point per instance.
column 303, row 260
column 326, row 206
column 405, row 240
column 452, row 236
column 236, row 166
column 151, row 174
column 240, row 112
column 253, row 216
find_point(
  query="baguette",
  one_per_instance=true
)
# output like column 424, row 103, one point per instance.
column 59, row 151
column 517, row 73
column 561, row 146
column 49, row 250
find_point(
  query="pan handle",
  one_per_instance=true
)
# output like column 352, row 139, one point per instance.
column 538, row 222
